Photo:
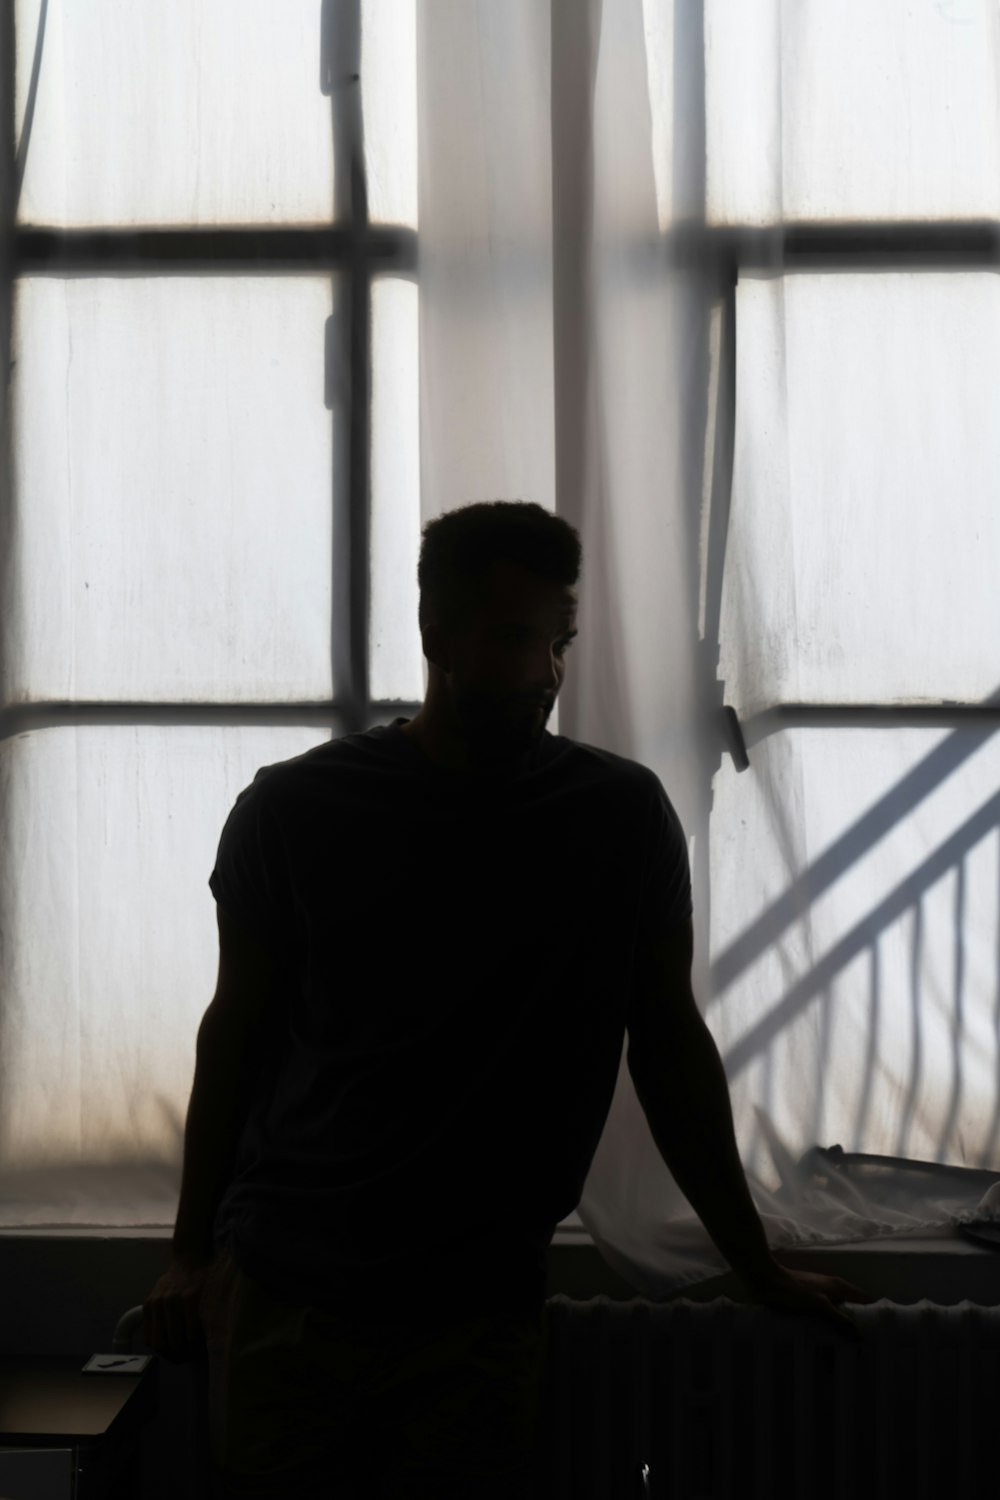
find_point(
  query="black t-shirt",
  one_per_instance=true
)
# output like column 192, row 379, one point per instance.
column 453, row 960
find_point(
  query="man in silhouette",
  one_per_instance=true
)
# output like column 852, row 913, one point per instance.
column 433, row 936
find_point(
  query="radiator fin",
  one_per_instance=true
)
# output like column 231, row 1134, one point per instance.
column 725, row 1399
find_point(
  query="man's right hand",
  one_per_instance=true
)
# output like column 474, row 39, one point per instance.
column 170, row 1323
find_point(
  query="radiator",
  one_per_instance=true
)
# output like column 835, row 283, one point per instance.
column 704, row 1400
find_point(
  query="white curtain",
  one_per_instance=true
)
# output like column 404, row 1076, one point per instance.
column 573, row 351
column 566, row 340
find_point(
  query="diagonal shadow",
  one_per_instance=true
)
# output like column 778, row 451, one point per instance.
column 853, row 844
column 907, row 894
column 861, row 936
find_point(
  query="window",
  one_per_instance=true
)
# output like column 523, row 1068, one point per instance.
column 212, row 507
column 852, row 194
column 213, row 428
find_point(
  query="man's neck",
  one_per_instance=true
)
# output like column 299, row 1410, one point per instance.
column 414, row 731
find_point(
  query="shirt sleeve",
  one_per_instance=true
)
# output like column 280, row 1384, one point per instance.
column 250, row 876
column 667, row 899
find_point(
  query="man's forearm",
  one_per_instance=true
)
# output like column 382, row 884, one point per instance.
column 221, row 1098
column 691, row 1118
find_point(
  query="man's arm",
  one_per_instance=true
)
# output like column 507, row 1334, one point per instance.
column 223, row 1093
column 686, row 1101
column 681, row 1084
column 238, row 1033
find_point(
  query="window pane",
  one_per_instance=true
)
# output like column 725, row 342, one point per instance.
column 389, row 101
column 870, row 920
column 116, row 831
column 857, row 110
column 187, row 113
column 173, row 460
column 396, row 654
column 865, row 524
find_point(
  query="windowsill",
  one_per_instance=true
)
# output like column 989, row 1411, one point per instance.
column 941, row 1270
column 566, row 1234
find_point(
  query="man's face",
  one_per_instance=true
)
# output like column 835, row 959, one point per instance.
column 506, row 672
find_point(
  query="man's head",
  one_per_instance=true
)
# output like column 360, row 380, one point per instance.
column 497, row 634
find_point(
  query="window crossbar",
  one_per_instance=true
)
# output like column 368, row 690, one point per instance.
column 232, row 250
column 224, row 251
